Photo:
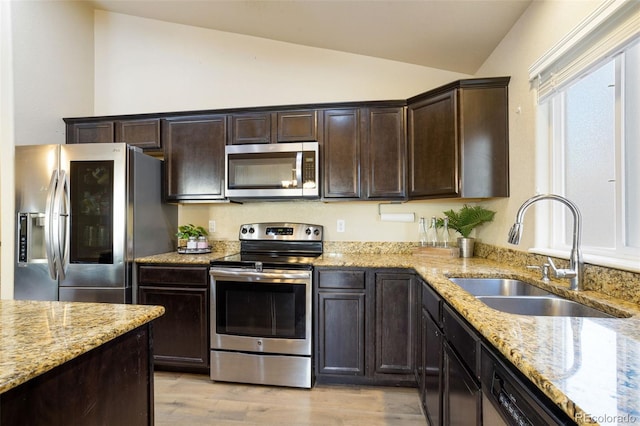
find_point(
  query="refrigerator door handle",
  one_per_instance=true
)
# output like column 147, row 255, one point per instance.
column 48, row 225
column 61, row 220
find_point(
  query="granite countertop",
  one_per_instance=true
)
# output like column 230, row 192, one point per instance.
column 36, row 337
column 588, row 366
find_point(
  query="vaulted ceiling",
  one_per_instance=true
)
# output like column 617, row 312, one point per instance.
column 454, row 35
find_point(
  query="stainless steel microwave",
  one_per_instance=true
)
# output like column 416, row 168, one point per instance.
column 277, row 170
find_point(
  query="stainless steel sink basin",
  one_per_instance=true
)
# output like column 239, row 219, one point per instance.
column 499, row 287
column 541, row 306
column 518, row 297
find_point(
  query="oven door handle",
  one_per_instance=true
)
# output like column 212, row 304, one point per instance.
column 243, row 273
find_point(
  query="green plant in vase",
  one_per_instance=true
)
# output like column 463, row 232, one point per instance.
column 187, row 232
column 464, row 221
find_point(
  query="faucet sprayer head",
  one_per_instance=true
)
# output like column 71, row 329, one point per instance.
column 515, row 233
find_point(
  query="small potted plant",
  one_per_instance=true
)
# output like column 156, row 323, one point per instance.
column 464, row 221
column 188, row 235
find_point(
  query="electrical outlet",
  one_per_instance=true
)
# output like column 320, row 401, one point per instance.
column 212, row 226
column 341, row 225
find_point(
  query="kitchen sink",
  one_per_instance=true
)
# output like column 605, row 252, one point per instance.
column 518, row 297
column 541, row 306
column 499, row 287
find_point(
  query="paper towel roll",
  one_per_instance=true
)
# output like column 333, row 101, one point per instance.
column 397, row 217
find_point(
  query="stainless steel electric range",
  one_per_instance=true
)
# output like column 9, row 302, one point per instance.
column 261, row 302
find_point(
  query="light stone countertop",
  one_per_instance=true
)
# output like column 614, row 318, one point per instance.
column 589, row 366
column 36, row 337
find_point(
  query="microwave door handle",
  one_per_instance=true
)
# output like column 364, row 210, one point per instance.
column 49, row 229
column 299, row 169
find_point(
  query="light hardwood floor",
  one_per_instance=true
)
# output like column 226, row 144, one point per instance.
column 191, row 399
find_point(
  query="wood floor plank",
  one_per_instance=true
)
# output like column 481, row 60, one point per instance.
column 192, row 399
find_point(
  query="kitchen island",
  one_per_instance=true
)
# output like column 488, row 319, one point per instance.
column 586, row 366
column 68, row 363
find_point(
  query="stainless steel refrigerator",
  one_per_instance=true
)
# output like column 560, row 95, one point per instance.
column 83, row 213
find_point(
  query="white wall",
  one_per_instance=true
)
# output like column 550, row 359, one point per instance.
column 46, row 73
column 542, row 25
column 53, row 67
column 6, row 148
column 145, row 65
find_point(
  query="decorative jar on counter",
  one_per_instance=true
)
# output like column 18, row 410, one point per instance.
column 192, row 244
column 202, row 242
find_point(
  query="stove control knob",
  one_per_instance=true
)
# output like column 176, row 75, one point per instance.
column 316, row 232
column 251, row 230
column 243, row 230
column 308, row 231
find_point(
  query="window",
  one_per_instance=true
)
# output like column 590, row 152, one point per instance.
column 591, row 91
column 594, row 153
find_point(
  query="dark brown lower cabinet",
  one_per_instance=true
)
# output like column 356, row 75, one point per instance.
column 181, row 335
column 341, row 338
column 109, row 385
column 462, row 393
column 395, row 325
column 431, row 361
column 340, row 309
column 365, row 326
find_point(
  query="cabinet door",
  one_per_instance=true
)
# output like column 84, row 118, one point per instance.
column 297, row 126
column 90, row 132
column 341, row 153
column 250, row 128
column 433, row 149
column 462, row 403
column 431, row 389
column 395, row 323
column 484, row 121
column 194, row 157
column 180, row 336
column 384, row 154
column 341, row 333
column 143, row 133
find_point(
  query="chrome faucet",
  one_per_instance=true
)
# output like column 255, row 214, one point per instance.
column 575, row 272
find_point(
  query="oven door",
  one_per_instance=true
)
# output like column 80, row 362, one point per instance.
column 262, row 312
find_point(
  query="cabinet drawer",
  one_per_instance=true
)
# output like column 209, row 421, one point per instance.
column 462, row 339
column 173, row 275
column 341, row 279
column 431, row 302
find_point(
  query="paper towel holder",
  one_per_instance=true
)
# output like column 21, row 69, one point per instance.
column 395, row 217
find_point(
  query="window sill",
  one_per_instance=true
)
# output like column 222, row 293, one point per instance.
column 631, row 265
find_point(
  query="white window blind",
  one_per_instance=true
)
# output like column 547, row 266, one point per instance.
column 608, row 30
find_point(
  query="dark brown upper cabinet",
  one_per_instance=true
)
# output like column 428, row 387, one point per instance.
column 144, row 133
column 250, row 128
column 141, row 132
column 383, row 155
column 364, row 153
column 341, row 153
column 459, row 140
column 273, row 127
column 90, row 132
column 194, row 157
column 297, row 126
